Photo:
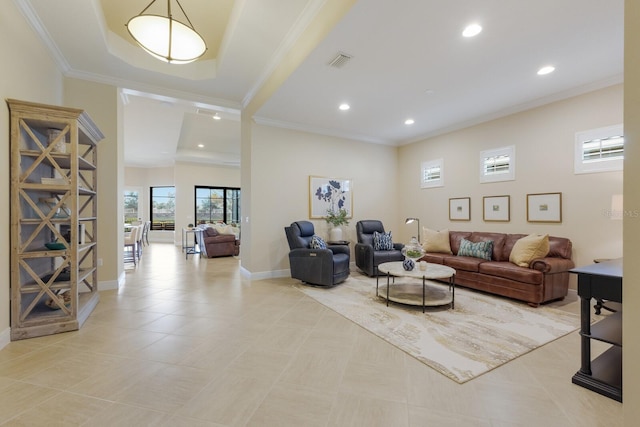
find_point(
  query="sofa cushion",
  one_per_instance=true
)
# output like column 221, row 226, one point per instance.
column 482, row 250
column 463, row 263
column 511, row 240
column 436, row 241
column 507, row 270
column 529, row 248
column 559, row 247
column 434, row 258
column 382, row 241
column 498, row 243
column 210, row 232
column 317, row 242
column 455, row 237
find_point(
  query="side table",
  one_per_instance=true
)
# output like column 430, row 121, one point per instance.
column 339, row 242
column 191, row 247
column 603, row 374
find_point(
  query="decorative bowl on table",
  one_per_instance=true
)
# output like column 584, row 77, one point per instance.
column 413, row 250
column 55, row 246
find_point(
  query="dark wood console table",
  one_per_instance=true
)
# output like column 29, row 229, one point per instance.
column 602, row 281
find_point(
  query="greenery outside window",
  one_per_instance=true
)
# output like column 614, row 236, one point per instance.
column 216, row 204
column 163, row 208
column 131, row 207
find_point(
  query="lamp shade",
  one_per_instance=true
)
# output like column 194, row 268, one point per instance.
column 166, row 38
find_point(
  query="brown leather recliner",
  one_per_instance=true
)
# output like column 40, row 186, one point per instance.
column 215, row 244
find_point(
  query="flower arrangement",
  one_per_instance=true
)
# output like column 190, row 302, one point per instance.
column 337, row 218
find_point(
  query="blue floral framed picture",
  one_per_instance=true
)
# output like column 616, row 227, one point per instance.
column 329, row 195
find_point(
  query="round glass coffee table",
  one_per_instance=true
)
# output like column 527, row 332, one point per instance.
column 432, row 292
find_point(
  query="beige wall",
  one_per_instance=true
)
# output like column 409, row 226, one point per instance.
column 283, row 160
column 544, row 140
column 631, row 290
column 34, row 77
column 101, row 103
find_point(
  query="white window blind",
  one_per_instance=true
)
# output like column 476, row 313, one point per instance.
column 599, row 150
column 497, row 164
column 432, row 174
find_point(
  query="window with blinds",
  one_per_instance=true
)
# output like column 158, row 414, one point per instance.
column 497, row 164
column 599, row 150
column 432, row 174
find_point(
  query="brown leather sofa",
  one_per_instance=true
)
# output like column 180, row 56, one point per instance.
column 546, row 279
column 215, row 244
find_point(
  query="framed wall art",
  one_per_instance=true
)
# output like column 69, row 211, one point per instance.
column 460, row 209
column 544, row 207
column 329, row 194
column 496, row 208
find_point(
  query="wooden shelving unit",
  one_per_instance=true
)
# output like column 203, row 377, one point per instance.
column 53, row 199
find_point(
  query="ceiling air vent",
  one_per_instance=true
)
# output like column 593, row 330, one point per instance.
column 205, row 112
column 340, row 60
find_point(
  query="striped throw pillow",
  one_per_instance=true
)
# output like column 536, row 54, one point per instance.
column 481, row 250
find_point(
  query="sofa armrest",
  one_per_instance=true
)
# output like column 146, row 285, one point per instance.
column 339, row 249
column 552, row 264
column 220, row 238
column 326, row 255
column 398, row 246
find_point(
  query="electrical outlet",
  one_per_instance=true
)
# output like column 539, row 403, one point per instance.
column 99, row 262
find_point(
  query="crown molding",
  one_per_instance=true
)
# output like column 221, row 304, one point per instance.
column 321, row 131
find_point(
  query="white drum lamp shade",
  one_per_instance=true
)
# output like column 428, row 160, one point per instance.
column 165, row 38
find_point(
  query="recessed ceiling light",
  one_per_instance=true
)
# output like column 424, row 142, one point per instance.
column 409, row 122
column 344, row 107
column 200, row 145
column 472, row 30
column 216, row 116
column 546, row 70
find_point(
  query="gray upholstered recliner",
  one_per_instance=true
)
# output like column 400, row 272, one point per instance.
column 326, row 267
column 368, row 259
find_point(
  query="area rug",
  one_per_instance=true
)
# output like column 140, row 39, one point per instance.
column 480, row 334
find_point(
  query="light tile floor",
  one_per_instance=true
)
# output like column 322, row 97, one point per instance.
column 192, row 343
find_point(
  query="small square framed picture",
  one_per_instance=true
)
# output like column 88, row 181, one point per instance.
column 544, row 207
column 460, row 209
column 496, row 208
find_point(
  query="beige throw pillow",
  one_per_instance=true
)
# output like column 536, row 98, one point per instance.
column 529, row 248
column 436, row 241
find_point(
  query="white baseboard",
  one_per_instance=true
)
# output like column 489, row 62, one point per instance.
column 5, row 338
column 122, row 279
column 274, row 274
column 107, row 285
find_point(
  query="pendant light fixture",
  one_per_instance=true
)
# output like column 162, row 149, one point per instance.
column 166, row 38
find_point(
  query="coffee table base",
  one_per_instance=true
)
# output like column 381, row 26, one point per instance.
column 436, row 294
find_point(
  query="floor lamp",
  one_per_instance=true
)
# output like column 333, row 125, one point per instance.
column 410, row 220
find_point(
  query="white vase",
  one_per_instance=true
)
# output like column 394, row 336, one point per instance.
column 335, row 234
